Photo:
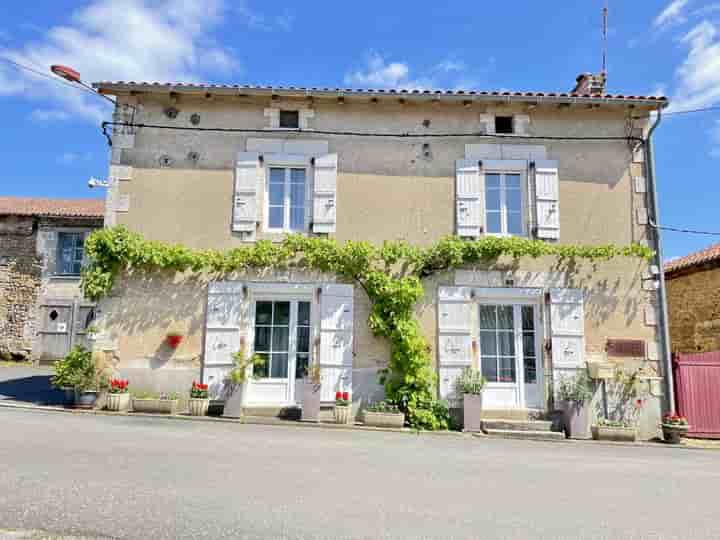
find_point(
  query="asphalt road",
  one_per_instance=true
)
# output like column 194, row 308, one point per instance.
column 157, row 478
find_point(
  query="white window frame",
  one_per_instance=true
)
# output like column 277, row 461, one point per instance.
column 503, row 171
column 286, row 199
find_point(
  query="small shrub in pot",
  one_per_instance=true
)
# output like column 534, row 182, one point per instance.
column 471, row 384
column 575, row 394
column 674, row 427
column 237, row 382
column 78, row 370
column 384, row 414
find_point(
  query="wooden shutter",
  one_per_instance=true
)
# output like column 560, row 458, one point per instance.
column 468, row 198
column 336, row 340
column 455, row 309
column 325, row 193
column 226, row 325
column 547, row 194
column 567, row 323
column 245, row 214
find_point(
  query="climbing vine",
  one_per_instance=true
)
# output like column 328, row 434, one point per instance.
column 390, row 274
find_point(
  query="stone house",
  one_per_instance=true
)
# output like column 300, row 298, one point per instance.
column 693, row 289
column 42, row 312
column 214, row 166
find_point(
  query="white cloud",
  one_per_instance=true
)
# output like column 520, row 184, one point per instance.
column 259, row 21
column 672, row 14
column 699, row 74
column 451, row 65
column 377, row 73
column 69, row 158
column 48, row 115
column 155, row 40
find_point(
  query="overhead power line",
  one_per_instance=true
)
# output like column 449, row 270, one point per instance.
column 686, row 231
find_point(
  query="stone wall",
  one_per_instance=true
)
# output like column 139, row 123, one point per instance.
column 694, row 311
column 20, row 275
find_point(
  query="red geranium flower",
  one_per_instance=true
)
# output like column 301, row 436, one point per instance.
column 338, row 395
column 346, row 396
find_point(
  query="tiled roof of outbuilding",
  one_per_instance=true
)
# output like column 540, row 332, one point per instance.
column 708, row 255
column 33, row 206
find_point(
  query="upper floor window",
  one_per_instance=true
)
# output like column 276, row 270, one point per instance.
column 290, row 119
column 286, row 200
column 504, row 124
column 70, row 253
column 503, row 203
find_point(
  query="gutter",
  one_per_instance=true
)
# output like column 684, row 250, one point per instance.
column 662, row 292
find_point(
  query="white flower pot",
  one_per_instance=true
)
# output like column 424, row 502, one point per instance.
column 342, row 414
column 118, row 402
column 198, row 406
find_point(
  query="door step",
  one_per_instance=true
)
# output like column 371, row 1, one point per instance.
column 526, row 434
column 516, row 425
column 513, row 414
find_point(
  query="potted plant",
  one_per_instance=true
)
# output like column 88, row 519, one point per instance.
column 199, row 400
column 614, row 430
column 471, row 384
column 343, row 408
column 150, row 402
column 63, row 369
column 674, row 427
column 79, row 371
column 118, row 395
column 384, row 414
column 237, row 382
column 311, row 394
column 173, row 339
column 574, row 400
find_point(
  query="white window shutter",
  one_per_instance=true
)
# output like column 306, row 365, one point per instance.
column 245, row 196
column 455, row 309
column 325, row 193
column 336, row 340
column 469, row 207
column 547, row 195
column 567, row 324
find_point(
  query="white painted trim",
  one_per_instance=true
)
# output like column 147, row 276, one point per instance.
column 505, row 165
column 261, row 287
column 490, row 295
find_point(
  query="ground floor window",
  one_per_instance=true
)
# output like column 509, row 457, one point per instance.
column 507, row 339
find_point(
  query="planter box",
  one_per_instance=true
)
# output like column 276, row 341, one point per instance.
column 155, row 405
column 118, row 402
column 85, row 399
column 618, row 434
column 384, row 419
column 311, row 402
column 673, row 434
column 472, row 412
column 601, row 370
column 198, row 406
column 342, row 414
column 235, row 402
column 577, row 418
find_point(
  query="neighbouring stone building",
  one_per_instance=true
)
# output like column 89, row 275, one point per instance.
column 42, row 312
column 693, row 287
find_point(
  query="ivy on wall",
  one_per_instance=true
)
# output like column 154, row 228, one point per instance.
column 390, row 274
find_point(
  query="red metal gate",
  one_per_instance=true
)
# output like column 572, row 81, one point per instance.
column 697, row 391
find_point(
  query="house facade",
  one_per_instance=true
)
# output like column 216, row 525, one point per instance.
column 221, row 167
column 693, row 286
column 42, row 310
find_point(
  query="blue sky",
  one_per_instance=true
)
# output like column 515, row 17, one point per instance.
column 52, row 144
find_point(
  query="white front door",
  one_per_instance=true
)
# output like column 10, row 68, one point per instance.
column 282, row 331
column 509, row 355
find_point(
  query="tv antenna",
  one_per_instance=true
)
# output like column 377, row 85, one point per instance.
column 604, row 38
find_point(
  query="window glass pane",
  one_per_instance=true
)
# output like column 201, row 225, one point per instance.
column 276, row 194
column 304, row 313
column 492, row 181
column 488, row 343
column 492, row 199
column 530, row 371
column 505, row 317
column 262, row 371
column 280, row 338
column 277, row 175
column 263, row 312
column 262, row 338
column 514, row 223
column 488, row 317
column 512, row 180
column 301, row 365
column 493, row 222
column 279, row 366
column 514, row 200
column 297, row 194
column 303, row 339
column 506, row 371
column 529, row 344
column 297, row 218
column 275, row 217
column 489, row 368
column 282, row 313
column 297, row 175
column 289, row 119
column 506, row 343
column 528, row 320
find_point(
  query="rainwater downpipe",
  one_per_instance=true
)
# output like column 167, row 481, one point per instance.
column 662, row 293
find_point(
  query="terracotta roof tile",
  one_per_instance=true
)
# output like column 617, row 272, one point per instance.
column 32, row 206
column 699, row 258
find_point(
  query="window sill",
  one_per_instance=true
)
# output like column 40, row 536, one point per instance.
column 287, row 129
column 65, row 277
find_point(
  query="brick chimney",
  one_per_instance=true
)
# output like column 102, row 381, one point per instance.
column 590, row 83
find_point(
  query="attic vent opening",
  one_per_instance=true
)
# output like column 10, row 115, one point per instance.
column 290, row 119
column 503, row 124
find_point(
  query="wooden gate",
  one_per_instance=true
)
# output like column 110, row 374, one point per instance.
column 697, row 380
column 62, row 324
